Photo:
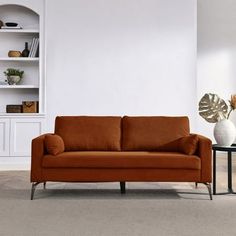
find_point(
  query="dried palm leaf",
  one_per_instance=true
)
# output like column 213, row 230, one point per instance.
column 212, row 108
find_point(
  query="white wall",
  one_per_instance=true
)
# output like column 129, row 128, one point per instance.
column 116, row 57
column 216, row 52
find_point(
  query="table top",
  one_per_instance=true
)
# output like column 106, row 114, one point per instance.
column 231, row 148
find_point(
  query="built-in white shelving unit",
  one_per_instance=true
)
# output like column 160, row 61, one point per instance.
column 31, row 21
column 18, row 129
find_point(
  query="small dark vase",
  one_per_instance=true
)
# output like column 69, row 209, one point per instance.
column 25, row 52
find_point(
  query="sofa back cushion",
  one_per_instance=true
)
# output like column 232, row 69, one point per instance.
column 150, row 133
column 89, row 133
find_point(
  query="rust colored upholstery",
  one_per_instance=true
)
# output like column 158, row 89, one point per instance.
column 205, row 153
column 160, row 160
column 154, row 149
column 149, row 133
column 38, row 150
column 54, row 144
column 84, row 133
column 111, row 175
column 187, row 145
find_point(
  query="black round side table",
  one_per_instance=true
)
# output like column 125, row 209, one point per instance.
column 229, row 150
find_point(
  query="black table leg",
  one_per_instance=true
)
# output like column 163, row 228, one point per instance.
column 230, row 172
column 229, row 150
column 214, row 172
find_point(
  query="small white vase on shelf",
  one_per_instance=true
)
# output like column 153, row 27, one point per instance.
column 13, row 79
column 224, row 132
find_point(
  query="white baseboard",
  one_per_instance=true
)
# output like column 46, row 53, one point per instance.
column 14, row 163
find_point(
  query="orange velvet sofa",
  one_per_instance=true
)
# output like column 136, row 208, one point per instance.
column 122, row 149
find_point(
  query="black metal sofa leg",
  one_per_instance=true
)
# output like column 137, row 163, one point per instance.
column 122, row 188
column 33, row 189
column 209, row 189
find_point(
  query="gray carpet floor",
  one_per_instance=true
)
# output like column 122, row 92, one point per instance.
column 99, row 209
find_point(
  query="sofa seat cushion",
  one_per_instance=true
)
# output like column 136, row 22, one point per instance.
column 90, row 159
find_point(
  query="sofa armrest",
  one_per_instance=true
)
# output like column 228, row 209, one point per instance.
column 37, row 152
column 205, row 153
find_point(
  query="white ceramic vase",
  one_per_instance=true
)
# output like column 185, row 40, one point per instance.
column 224, row 132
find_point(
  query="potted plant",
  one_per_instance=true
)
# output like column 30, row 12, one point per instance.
column 14, row 76
column 215, row 110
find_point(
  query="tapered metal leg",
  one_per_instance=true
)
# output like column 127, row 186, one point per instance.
column 44, row 185
column 122, row 187
column 209, row 189
column 33, row 189
column 196, row 184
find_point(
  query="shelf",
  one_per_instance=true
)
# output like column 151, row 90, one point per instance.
column 18, row 87
column 4, row 114
column 24, row 59
column 26, row 31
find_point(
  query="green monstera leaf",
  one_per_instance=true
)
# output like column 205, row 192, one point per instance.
column 212, row 108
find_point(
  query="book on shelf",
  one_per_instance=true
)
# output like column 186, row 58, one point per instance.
column 31, row 47
column 34, row 49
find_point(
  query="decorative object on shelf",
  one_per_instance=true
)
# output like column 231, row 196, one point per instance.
column 11, row 24
column 12, row 53
column 25, row 52
column 30, row 106
column 1, row 24
column 14, row 108
column 14, row 76
column 215, row 110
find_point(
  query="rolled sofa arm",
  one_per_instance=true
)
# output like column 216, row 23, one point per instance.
column 37, row 153
column 205, row 153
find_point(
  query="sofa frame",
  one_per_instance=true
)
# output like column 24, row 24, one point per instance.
column 200, row 174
